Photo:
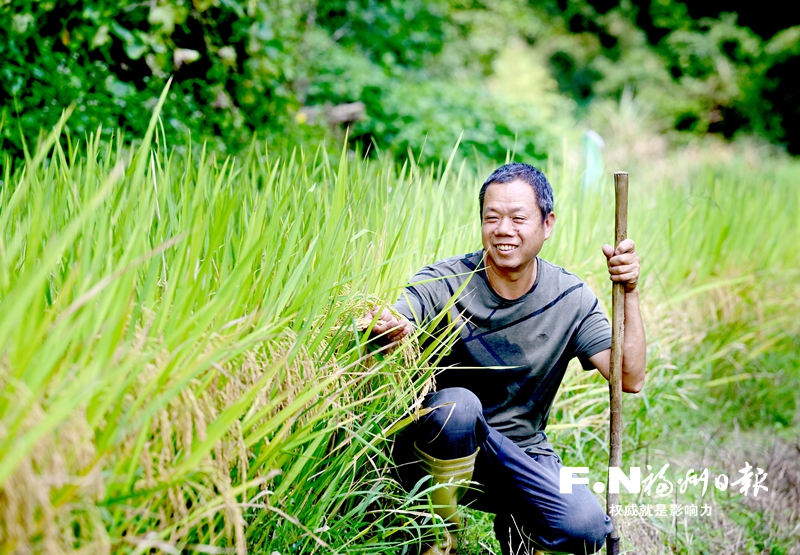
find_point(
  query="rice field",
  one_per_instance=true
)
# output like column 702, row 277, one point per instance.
column 181, row 362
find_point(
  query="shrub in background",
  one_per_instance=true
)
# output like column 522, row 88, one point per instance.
column 423, row 69
column 244, row 67
column 232, row 65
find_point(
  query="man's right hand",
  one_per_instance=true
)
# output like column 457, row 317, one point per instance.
column 394, row 328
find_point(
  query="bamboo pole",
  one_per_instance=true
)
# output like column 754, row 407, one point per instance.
column 615, row 372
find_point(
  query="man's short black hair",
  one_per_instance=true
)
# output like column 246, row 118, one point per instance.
column 528, row 174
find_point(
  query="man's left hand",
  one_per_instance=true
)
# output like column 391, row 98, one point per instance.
column 623, row 264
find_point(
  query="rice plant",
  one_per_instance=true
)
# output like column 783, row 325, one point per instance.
column 180, row 354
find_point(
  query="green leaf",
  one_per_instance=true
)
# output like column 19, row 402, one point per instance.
column 100, row 37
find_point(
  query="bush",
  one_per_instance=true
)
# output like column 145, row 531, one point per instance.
column 239, row 68
column 232, row 65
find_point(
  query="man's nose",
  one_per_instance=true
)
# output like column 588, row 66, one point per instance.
column 505, row 227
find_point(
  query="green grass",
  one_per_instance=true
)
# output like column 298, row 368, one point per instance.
column 180, row 349
column 180, row 360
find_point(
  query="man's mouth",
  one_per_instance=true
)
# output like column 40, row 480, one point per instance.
column 505, row 248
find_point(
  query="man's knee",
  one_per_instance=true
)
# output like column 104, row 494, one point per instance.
column 587, row 527
column 454, row 407
column 451, row 429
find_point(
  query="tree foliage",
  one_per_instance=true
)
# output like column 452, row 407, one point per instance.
column 425, row 70
column 701, row 65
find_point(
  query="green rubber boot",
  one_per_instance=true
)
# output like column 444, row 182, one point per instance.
column 445, row 499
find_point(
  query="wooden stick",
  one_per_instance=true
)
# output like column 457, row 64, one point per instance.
column 615, row 372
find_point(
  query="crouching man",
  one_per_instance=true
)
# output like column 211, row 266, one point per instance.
column 524, row 320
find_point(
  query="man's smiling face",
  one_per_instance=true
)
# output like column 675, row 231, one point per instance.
column 512, row 228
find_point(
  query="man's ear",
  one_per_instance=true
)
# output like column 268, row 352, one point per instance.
column 548, row 224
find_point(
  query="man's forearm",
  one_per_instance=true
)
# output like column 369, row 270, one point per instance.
column 634, row 357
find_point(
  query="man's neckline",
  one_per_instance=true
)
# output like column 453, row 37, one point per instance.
column 482, row 270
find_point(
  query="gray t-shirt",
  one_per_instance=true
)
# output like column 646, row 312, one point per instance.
column 511, row 353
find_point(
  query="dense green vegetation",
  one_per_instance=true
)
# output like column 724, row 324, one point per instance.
column 509, row 74
column 181, row 364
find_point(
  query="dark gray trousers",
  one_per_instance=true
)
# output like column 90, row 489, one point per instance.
column 520, row 488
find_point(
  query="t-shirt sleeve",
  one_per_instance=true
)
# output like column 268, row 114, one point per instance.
column 424, row 297
column 594, row 331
